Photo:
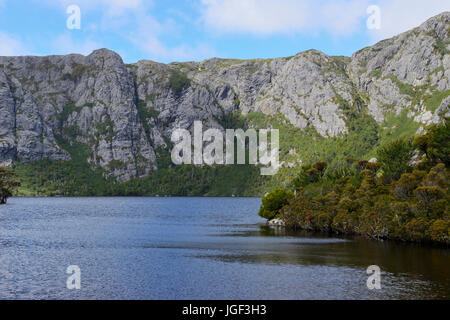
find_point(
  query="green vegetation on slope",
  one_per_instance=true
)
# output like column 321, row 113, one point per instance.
column 297, row 147
column 178, row 81
column 389, row 199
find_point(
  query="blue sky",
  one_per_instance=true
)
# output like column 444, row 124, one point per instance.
column 185, row 30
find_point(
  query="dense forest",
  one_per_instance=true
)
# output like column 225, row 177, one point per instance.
column 403, row 195
column 8, row 184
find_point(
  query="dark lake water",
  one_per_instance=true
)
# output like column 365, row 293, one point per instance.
column 196, row 248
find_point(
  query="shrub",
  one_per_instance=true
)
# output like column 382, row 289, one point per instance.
column 436, row 143
column 294, row 213
column 178, row 81
column 320, row 166
column 343, row 223
column 438, row 176
column 361, row 165
column 438, row 209
column 439, row 231
column 332, row 198
column 349, row 162
column 404, row 187
column 347, row 205
column 273, row 202
column 302, row 179
column 372, row 166
column 338, row 173
column 419, row 174
column 428, row 195
column 394, row 158
column 8, row 184
column 415, row 229
column 323, row 221
column 397, row 202
column 401, row 212
column 313, row 174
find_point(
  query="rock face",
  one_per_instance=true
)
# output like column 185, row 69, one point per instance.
column 46, row 103
column 50, row 107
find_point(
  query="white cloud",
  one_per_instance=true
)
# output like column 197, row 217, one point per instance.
column 157, row 50
column 260, row 17
column 65, row 44
column 265, row 17
column 11, row 46
column 149, row 33
column 114, row 5
column 398, row 16
column 131, row 20
column 335, row 17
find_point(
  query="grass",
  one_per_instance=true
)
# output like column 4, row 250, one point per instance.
column 398, row 126
column 146, row 114
column 178, row 81
column 404, row 88
column 433, row 101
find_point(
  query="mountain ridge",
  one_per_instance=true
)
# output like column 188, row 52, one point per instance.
column 120, row 116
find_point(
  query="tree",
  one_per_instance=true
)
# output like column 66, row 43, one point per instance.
column 273, row 202
column 404, row 187
column 8, row 184
column 436, row 142
column 394, row 158
column 429, row 195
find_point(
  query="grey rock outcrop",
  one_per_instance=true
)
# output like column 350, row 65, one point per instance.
column 50, row 107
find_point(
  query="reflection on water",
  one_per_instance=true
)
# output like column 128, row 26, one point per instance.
column 417, row 262
column 197, row 248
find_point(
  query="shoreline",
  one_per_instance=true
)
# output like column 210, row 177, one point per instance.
column 134, row 196
column 279, row 224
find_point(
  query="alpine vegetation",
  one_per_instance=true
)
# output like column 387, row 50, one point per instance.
column 213, row 152
column 93, row 125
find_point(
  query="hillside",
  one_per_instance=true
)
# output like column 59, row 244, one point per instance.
column 92, row 125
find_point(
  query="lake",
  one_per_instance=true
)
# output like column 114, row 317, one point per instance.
column 196, row 248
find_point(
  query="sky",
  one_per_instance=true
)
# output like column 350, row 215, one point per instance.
column 194, row 30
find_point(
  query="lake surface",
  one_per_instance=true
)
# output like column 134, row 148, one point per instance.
column 196, row 248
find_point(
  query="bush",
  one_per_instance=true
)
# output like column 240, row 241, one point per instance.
column 320, row 166
column 404, row 187
column 178, row 81
column 372, row 166
column 394, row 158
column 416, row 228
column 8, row 184
column 343, row 223
column 404, row 203
column 361, row 165
column 302, row 179
column 273, row 202
column 438, row 176
column 313, row 174
column 436, row 143
column 428, row 195
column 439, row 231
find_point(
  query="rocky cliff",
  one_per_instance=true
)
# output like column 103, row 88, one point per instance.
column 123, row 115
